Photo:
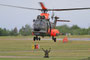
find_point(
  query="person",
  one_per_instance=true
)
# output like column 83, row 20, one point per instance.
column 46, row 52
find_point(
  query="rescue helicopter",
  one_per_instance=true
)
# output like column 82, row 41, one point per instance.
column 42, row 26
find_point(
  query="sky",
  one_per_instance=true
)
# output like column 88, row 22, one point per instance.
column 16, row 17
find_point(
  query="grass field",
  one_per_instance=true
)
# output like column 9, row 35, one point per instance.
column 20, row 48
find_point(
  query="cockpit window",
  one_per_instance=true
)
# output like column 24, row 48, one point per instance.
column 41, row 25
column 38, row 17
column 43, row 17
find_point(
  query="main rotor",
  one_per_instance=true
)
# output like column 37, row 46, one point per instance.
column 44, row 9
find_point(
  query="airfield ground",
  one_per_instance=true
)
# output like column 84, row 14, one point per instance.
column 20, row 48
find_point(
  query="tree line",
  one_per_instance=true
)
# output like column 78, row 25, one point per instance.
column 73, row 30
column 24, row 31
column 27, row 30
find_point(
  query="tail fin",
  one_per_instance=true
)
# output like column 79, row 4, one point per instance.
column 42, row 5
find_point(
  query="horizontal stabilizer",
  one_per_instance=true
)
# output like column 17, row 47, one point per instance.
column 64, row 20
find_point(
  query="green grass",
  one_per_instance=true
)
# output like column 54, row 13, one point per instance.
column 38, row 59
column 75, row 36
column 73, row 50
column 61, row 36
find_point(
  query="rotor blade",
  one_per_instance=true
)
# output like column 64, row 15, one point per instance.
column 70, row 9
column 44, row 8
column 19, row 7
column 64, row 20
column 42, row 5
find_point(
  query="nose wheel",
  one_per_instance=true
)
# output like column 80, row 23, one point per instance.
column 36, row 38
column 53, row 38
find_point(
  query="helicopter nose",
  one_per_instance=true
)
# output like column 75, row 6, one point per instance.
column 37, row 29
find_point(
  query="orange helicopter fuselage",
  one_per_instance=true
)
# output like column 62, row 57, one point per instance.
column 53, row 32
column 45, row 14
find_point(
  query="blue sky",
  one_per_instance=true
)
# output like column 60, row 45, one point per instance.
column 15, row 17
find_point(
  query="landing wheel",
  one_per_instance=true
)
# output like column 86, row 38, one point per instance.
column 39, row 38
column 54, row 39
column 36, row 38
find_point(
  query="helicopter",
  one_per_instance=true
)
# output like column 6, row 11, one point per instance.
column 42, row 26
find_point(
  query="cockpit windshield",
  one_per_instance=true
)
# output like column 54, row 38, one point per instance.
column 40, row 24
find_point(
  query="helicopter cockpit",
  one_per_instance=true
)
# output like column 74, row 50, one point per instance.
column 40, row 24
column 40, row 17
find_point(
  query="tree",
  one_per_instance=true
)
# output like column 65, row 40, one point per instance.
column 75, row 27
column 63, row 29
column 4, row 32
column 89, row 31
column 75, row 30
column 22, row 31
column 84, row 31
column 1, row 32
column 28, row 29
column 14, row 32
column 25, row 30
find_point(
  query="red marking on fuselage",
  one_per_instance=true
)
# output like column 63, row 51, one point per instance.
column 54, row 32
column 45, row 14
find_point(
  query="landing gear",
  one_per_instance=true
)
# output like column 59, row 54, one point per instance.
column 53, row 38
column 36, row 38
column 39, row 38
